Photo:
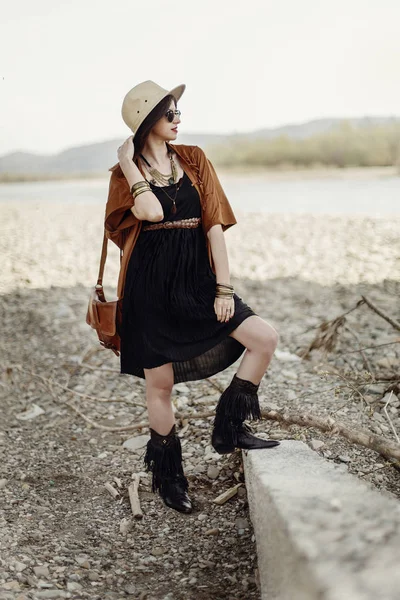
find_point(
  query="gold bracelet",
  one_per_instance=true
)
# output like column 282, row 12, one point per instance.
column 141, row 182
column 142, row 188
column 138, row 192
column 227, row 285
column 139, row 185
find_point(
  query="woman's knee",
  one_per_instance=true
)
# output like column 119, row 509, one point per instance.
column 266, row 340
column 257, row 335
column 160, row 380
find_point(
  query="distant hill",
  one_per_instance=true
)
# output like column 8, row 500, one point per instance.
column 95, row 159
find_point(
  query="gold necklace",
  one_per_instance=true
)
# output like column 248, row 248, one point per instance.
column 159, row 177
column 177, row 188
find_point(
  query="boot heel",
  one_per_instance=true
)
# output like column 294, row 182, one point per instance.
column 224, row 448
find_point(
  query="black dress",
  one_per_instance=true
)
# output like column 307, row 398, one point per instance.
column 168, row 304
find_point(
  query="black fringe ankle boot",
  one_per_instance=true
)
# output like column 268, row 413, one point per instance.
column 237, row 403
column 163, row 459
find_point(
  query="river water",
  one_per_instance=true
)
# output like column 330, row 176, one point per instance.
column 374, row 196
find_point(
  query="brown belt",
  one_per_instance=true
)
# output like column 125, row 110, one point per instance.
column 183, row 223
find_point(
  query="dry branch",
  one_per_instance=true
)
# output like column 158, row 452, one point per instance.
column 328, row 331
column 50, row 383
column 114, row 493
column 326, row 337
column 367, row 364
column 133, row 491
column 362, row 437
column 382, row 314
column 227, row 495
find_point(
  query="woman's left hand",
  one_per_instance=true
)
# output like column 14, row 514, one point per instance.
column 126, row 151
column 224, row 308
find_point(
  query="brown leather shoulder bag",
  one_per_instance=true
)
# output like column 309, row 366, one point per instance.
column 103, row 316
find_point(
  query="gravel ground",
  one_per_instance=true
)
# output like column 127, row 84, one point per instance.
column 61, row 532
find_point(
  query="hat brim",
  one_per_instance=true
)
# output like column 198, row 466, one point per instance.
column 178, row 91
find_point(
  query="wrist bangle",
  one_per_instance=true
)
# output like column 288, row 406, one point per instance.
column 139, row 185
column 137, row 192
column 225, row 285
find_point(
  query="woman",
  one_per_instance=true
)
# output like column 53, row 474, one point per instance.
column 181, row 319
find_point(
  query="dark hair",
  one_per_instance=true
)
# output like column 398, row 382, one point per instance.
column 144, row 129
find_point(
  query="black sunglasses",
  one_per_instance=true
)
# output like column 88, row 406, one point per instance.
column 170, row 114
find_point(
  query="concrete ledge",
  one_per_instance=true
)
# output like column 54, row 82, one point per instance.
column 321, row 533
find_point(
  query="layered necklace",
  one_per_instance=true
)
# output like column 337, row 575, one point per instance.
column 165, row 180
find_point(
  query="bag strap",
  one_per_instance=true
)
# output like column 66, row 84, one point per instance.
column 102, row 260
column 104, row 248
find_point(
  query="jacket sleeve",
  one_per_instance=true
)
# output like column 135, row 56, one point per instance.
column 217, row 208
column 118, row 216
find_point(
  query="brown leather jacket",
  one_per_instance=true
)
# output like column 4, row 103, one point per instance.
column 123, row 228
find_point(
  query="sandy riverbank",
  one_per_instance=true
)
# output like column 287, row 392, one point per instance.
column 295, row 271
column 46, row 244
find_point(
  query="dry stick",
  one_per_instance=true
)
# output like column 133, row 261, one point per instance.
column 343, row 315
column 380, row 312
column 361, row 437
column 327, row 330
column 326, row 337
column 51, row 382
column 370, row 347
column 349, row 384
column 94, row 368
column 390, row 420
column 110, row 488
column 367, row 364
column 104, row 427
column 227, row 495
column 215, row 384
column 352, row 368
column 87, row 354
column 133, row 491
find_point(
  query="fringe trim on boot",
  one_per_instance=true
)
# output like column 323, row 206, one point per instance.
column 239, row 401
column 163, row 459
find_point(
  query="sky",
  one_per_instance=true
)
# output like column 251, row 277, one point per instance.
column 66, row 67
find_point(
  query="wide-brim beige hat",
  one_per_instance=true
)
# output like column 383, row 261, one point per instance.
column 141, row 100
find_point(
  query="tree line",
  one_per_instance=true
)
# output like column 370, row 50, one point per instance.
column 343, row 146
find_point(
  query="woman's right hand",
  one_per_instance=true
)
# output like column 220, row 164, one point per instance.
column 126, row 151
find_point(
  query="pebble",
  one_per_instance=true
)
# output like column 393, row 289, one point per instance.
column 73, row 586
column 214, row 531
column 213, row 472
column 316, row 444
column 136, row 443
column 344, row 458
column 181, row 388
column 158, row 551
column 291, row 375
column 82, row 562
column 41, row 571
column 241, row 524
column 19, row 566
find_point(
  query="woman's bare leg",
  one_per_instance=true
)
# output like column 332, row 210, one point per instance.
column 260, row 340
column 159, row 384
